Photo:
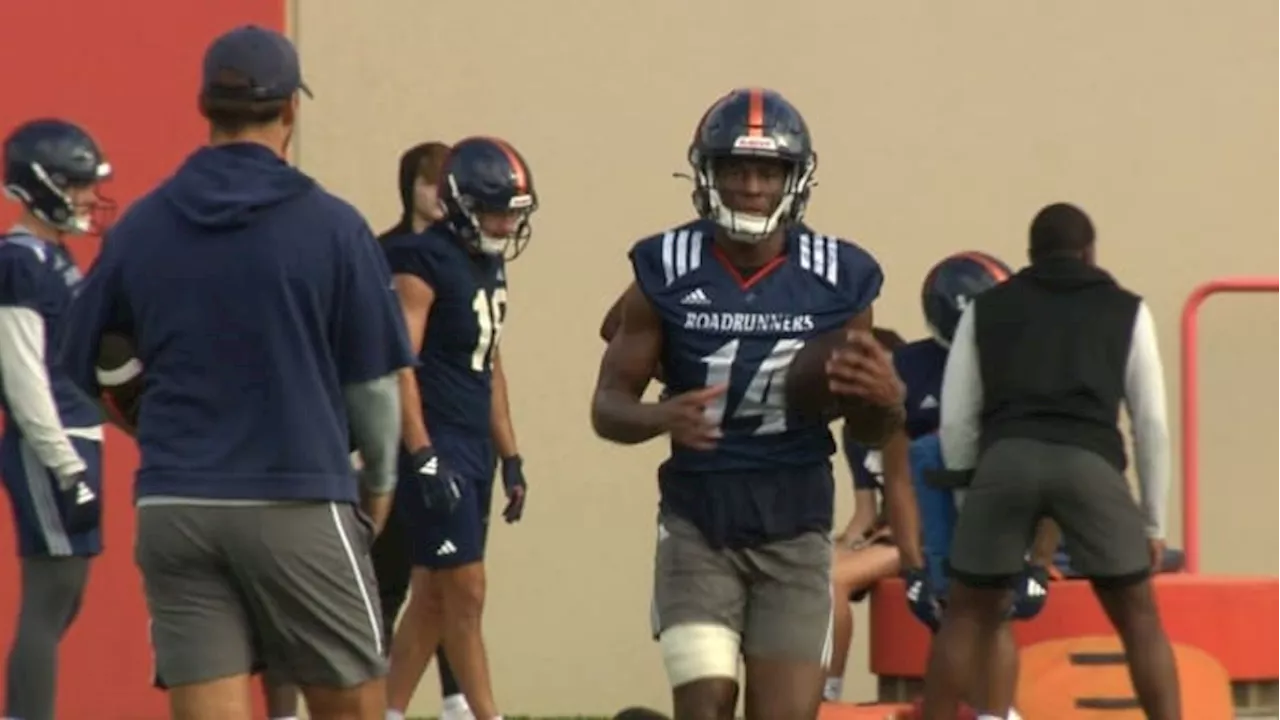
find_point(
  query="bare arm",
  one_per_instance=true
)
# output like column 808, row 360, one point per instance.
column 612, row 319
column 862, row 321
column 900, row 497
column 860, row 366
column 416, row 298
column 504, row 433
column 617, row 412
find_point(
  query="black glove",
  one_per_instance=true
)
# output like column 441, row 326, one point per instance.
column 441, row 488
column 515, row 486
column 1031, row 593
column 80, row 505
column 922, row 598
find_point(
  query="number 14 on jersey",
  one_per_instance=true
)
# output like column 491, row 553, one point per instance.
column 765, row 396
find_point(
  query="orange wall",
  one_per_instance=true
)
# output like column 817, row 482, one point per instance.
column 128, row 72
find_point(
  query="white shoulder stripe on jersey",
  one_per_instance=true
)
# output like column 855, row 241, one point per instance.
column 833, row 260
column 820, row 255
column 30, row 242
column 681, row 253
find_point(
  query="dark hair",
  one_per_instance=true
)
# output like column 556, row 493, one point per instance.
column 431, row 157
column 890, row 339
column 639, row 713
column 426, row 161
column 231, row 115
column 1060, row 230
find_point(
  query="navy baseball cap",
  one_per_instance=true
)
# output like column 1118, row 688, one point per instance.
column 263, row 62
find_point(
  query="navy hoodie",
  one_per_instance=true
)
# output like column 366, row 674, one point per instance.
column 252, row 296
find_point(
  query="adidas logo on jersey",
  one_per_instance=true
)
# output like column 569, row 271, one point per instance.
column 929, row 402
column 1035, row 589
column 446, row 548
column 695, row 297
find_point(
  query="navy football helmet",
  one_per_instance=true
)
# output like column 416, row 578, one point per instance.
column 952, row 284
column 752, row 123
column 45, row 163
column 485, row 175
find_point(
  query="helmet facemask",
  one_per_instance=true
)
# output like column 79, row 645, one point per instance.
column 938, row 336
column 53, row 200
column 745, row 227
column 466, row 222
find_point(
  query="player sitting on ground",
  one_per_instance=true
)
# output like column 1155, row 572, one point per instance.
column 51, row 452
column 724, row 304
column 453, row 289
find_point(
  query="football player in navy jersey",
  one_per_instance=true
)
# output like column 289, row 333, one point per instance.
column 723, row 304
column 453, row 289
column 50, row 454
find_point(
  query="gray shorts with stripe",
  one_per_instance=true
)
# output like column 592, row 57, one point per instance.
column 232, row 589
column 777, row 596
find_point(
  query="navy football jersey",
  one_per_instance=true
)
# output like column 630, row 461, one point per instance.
column 455, row 370
column 721, row 328
column 42, row 276
column 920, row 364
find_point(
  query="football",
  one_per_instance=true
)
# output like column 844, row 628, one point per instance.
column 809, row 397
column 120, row 375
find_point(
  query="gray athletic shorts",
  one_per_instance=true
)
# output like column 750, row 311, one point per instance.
column 777, row 597
column 232, row 589
column 1017, row 482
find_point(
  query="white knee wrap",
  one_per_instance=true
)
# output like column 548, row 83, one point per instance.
column 697, row 651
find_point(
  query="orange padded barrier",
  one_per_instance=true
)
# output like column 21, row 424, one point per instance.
column 1233, row 619
column 849, row 711
column 1087, row 678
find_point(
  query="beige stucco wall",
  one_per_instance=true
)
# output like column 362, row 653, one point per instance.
column 940, row 126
